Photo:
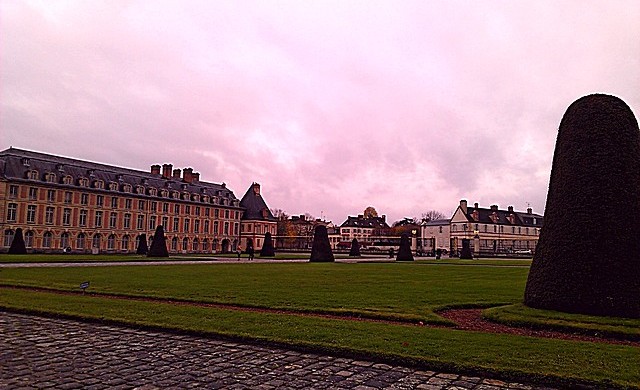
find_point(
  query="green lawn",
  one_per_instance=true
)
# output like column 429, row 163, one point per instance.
column 410, row 291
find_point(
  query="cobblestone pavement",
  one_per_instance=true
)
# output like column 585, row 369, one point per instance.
column 38, row 352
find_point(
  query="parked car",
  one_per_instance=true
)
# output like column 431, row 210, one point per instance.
column 523, row 252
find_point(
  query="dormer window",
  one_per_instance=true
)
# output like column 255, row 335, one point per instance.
column 185, row 196
column 205, row 199
column 164, row 193
column 50, row 177
column 195, row 197
column 126, row 188
column 99, row 184
column 113, row 186
column 32, row 175
column 25, row 162
column 175, row 194
column 153, row 192
column 140, row 190
column 83, row 182
column 68, row 180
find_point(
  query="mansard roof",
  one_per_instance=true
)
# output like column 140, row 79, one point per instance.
column 16, row 164
column 255, row 206
column 494, row 215
column 361, row 222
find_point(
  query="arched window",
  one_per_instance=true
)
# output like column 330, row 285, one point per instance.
column 50, row 177
column 32, row 175
column 46, row 239
column 174, row 244
column 205, row 244
column 99, row 184
column 111, row 242
column 95, row 243
column 185, row 244
column 64, row 241
column 125, row 242
column 214, row 244
column 195, row 245
column 68, row 180
column 28, row 239
column 80, row 240
column 8, row 237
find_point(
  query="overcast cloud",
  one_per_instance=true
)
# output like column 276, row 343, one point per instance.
column 332, row 106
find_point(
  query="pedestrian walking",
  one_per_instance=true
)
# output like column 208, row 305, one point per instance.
column 251, row 252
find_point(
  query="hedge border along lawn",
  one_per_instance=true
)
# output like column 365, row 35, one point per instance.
column 505, row 356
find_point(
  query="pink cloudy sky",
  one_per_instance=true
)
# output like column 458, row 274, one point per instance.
column 332, row 106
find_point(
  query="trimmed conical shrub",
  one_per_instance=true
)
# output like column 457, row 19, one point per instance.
column 465, row 253
column 321, row 249
column 404, row 252
column 267, row 248
column 588, row 257
column 355, row 248
column 17, row 245
column 143, row 248
column 159, row 244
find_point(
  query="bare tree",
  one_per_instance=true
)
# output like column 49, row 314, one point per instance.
column 432, row 215
column 370, row 212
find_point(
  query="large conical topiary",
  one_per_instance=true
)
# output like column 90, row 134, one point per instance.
column 588, row 256
column 267, row 248
column 355, row 248
column 159, row 244
column 404, row 252
column 321, row 249
column 143, row 248
column 465, row 253
column 17, row 245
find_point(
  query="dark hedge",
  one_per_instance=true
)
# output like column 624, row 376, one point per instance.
column 17, row 245
column 355, row 248
column 466, row 249
column 159, row 244
column 588, row 257
column 143, row 248
column 321, row 249
column 404, row 252
column 267, row 248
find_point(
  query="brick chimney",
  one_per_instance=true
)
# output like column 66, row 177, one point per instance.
column 187, row 175
column 494, row 207
column 529, row 210
column 176, row 174
column 384, row 218
column 166, row 170
column 155, row 169
column 196, row 177
column 463, row 205
column 510, row 208
column 475, row 205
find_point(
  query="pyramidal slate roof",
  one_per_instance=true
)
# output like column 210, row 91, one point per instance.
column 255, row 206
column 15, row 163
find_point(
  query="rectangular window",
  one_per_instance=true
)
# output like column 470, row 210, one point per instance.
column 187, row 209
column 51, row 195
column 113, row 219
column 216, row 213
column 140, row 223
column 226, row 214
column 12, row 212
column 141, row 205
column 114, row 202
column 186, row 225
column 33, row 193
column 237, row 215
column 98, row 219
column 196, row 226
column 197, row 210
column 66, row 217
column 165, row 207
column 99, row 200
column 226, row 228
column 127, row 221
column 31, row 213
column 127, row 204
column 152, row 222
column 68, row 197
column 176, row 209
column 13, row 192
column 235, row 228
column 176, row 222
column 48, row 215
column 154, row 207
column 83, row 218
column 206, row 227
column 84, row 199
column 207, row 211
column 215, row 228
column 165, row 222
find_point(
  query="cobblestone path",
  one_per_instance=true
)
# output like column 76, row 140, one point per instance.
column 38, row 352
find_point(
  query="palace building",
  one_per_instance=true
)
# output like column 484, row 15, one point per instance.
column 64, row 204
column 257, row 219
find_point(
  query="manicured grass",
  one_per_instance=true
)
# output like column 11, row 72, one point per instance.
column 520, row 314
column 407, row 291
column 493, row 262
column 471, row 352
column 387, row 290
